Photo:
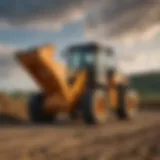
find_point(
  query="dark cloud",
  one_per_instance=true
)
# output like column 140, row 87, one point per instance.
column 41, row 12
column 124, row 18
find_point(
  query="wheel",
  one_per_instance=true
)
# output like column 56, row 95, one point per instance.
column 35, row 109
column 95, row 107
column 128, row 103
column 74, row 115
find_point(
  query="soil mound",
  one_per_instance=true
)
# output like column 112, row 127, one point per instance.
column 12, row 111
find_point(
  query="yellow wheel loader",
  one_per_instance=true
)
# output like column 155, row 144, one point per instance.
column 89, row 85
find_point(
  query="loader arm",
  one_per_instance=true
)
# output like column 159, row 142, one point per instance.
column 55, row 102
column 77, row 89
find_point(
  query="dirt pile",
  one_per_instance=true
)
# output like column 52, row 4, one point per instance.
column 12, row 111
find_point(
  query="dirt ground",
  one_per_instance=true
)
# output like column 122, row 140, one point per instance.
column 116, row 140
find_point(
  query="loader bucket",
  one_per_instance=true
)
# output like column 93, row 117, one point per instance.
column 48, row 74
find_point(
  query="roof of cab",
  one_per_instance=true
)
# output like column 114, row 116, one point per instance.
column 89, row 46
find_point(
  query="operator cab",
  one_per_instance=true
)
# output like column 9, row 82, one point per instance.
column 80, row 57
column 93, row 57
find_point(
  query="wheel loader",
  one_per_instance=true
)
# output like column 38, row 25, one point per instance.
column 89, row 85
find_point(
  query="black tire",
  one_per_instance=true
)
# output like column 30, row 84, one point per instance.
column 123, row 110
column 74, row 115
column 90, row 114
column 35, row 109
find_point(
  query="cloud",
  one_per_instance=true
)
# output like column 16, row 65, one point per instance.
column 124, row 20
column 140, row 62
column 12, row 75
column 41, row 14
column 6, row 60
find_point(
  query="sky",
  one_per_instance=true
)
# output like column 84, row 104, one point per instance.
column 132, row 27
